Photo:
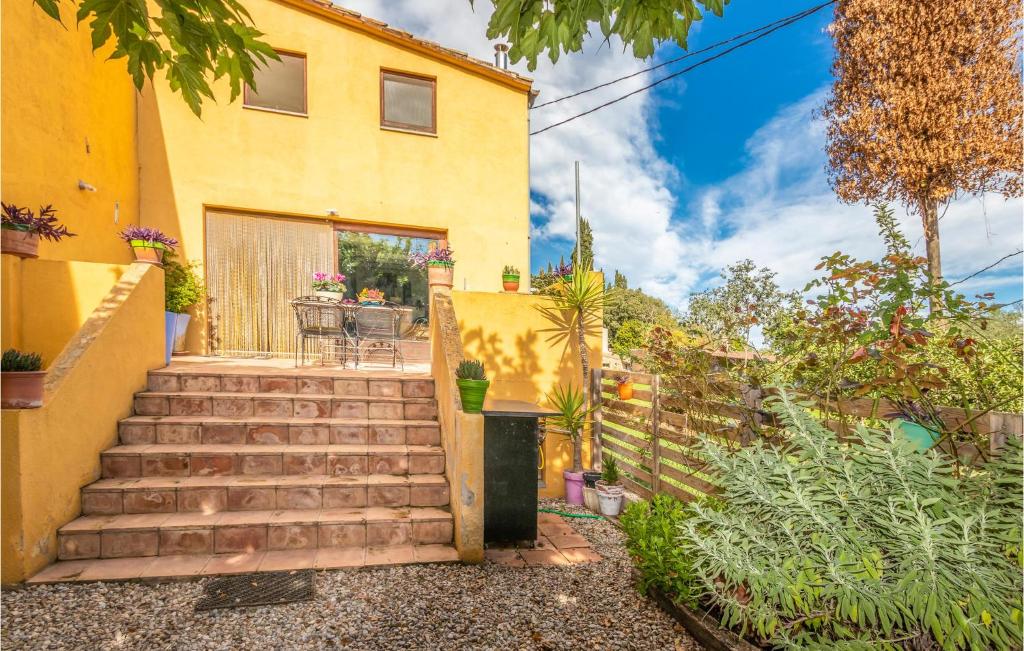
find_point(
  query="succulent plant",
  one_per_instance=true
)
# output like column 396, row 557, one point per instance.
column 470, row 369
column 15, row 361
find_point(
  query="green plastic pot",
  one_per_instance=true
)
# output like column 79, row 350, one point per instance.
column 921, row 437
column 472, row 393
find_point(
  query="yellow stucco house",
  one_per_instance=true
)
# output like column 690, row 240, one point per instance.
column 360, row 131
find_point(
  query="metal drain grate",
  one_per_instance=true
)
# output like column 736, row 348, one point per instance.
column 258, row 590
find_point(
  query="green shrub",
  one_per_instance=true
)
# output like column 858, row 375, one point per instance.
column 18, row 362
column 652, row 538
column 872, row 544
column 470, row 369
column 183, row 287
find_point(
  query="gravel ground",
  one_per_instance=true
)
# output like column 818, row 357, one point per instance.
column 590, row 606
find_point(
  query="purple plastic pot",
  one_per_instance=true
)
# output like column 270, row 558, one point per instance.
column 573, row 486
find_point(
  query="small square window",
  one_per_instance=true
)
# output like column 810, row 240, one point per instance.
column 280, row 85
column 408, row 102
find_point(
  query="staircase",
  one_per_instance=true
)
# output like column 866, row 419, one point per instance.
column 251, row 462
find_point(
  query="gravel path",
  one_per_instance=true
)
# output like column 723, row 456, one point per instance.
column 591, row 606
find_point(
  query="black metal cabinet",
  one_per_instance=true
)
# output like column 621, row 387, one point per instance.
column 510, row 470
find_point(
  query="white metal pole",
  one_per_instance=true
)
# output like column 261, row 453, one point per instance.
column 576, row 265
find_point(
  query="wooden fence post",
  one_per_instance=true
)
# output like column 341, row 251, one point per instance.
column 655, row 434
column 595, row 428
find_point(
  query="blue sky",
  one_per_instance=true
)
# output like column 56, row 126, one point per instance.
column 723, row 163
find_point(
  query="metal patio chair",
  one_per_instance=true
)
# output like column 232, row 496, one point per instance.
column 376, row 330
column 323, row 320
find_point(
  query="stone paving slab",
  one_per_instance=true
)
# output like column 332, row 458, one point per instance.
column 557, row 544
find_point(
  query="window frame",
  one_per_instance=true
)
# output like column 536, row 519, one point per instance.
column 401, row 126
column 305, row 88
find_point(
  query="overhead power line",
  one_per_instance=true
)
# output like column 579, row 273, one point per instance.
column 796, row 16
column 981, row 271
column 784, row 23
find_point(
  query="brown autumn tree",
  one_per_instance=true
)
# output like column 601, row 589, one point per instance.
column 926, row 104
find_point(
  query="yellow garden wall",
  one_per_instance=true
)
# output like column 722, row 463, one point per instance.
column 525, row 356
column 51, row 452
column 470, row 180
column 45, row 302
column 68, row 114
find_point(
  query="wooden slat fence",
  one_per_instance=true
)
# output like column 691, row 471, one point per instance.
column 654, row 436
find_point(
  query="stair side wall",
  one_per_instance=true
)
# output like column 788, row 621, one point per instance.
column 50, row 453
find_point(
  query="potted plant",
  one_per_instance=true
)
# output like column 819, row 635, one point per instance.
column 510, row 278
column 609, row 488
column 371, row 297
column 149, row 244
column 183, row 288
column 570, row 421
column 624, row 385
column 21, row 386
column 329, row 285
column 473, row 383
column 564, row 271
column 21, row 229
column 439, row 263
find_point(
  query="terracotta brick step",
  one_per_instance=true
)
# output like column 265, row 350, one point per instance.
column 248, row 493
column 163, row 534
column 210, row 403
column 134, row 461
column 156, row 568
column 351, row 384
column 264, row 430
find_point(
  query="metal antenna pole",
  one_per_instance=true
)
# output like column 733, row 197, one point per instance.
column 576, row 265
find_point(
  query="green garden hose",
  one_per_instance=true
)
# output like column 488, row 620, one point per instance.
column 589, row 516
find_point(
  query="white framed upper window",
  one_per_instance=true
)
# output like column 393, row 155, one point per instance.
column 408, row 102
column 280, row 85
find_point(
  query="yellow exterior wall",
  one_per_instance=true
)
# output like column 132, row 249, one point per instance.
column 45, row 302
column 471, row 180
column 525, row 357
column 68, row 114
column 51, row 452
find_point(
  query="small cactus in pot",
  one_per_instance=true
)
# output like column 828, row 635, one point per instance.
column 472, row 383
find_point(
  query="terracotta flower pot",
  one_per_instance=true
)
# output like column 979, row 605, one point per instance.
column 151, row 252
column 24, row 244
column 21, row 390
column 510, row 283
column 440, row 275
column 625, row 390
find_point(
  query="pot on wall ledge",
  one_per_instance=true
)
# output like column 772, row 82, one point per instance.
column 24, row 244
column 510, row 282
column 441, row 275
column 472, row 394
column 21, row 389
column 625, row 390
column 145, row 251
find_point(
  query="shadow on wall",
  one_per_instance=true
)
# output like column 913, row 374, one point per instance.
column 159, row 203
column 513, row 376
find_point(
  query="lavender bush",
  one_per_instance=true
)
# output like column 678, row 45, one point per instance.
column 45, row 225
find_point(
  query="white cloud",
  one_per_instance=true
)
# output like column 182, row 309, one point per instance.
column 780, row 212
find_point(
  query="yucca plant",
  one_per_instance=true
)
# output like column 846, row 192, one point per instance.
column 573, row 416
column 610, row 471
column 15, row 361
column 824, row 544
column 582, row 300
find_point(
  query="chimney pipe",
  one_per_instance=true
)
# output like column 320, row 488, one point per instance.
column 501, row 56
